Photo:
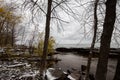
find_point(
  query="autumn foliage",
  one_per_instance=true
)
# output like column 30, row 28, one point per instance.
column 8, row 21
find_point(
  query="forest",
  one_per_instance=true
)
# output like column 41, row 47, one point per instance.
column 59, row 40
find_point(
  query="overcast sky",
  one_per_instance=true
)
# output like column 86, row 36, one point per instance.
column 70, row 32
column 77, row 29
column 73, row 31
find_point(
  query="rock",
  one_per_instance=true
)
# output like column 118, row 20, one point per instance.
column 63, row 77
column 68, row 72
column 54, row 73
column 91, row 76
column 75, row 75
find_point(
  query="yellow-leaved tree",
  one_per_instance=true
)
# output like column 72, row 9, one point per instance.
column 50, row 46
column 8, row 21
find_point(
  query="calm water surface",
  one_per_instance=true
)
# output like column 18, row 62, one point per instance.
column 69, row 60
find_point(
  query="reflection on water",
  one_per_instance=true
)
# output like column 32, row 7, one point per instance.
column 69, row 60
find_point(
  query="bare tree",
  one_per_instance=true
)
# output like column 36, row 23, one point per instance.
column 108, row 27
column 94, row 39
column 47, row 33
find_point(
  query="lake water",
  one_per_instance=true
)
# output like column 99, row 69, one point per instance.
column 70, row 60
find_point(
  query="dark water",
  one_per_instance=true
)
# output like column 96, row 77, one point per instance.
column 69, row 60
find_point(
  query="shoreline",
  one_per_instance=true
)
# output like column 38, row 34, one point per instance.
column 114, row 52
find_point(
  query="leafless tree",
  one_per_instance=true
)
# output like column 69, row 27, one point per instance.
column 50, row 12
column 94, row 39
column 110, row 17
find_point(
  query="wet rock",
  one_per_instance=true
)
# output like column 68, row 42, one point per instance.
column 91, row 76
column 57, row 72
column 75, row 75
column 54, row 73
column 63, row 77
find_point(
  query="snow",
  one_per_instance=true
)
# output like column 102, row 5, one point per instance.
column 2, row 50
column 71, row 78
column 30, row 74
column 17, row 65
column 49, row 75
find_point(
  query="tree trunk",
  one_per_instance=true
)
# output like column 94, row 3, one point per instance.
column 94, row 39
column 117, row 73
column 6, row 38
column 47, row 33
column 108, row 27
column 13, row 36
column 1, row 36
